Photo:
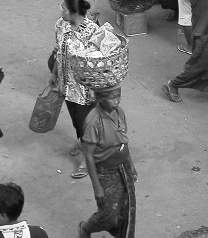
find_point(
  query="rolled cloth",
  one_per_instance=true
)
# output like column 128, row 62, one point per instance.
column 105, row 92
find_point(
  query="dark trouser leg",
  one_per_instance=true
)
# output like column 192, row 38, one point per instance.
column 110, row 218
column 188, row 34
column 195, row 74
column 78, row 114
column 71, row 109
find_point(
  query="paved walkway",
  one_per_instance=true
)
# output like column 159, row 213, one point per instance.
column 166, row 139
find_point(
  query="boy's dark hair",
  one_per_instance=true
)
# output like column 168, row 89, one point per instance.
column 78, row 6
column 11, row 200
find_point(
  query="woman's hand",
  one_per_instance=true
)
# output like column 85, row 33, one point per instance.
column 53, row 80
column 134, row 173
column 61, row 89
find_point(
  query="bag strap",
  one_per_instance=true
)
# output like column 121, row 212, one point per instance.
column 41, row 94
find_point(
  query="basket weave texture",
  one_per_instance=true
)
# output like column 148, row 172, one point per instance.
column 131, row 6
column 101, row 72
column 115, row 4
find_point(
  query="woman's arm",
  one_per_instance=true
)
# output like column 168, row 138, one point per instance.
column 98, row 189
column 54, row 73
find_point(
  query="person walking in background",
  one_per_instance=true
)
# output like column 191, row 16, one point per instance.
column 71, row 28
column 195, row 74
column 1, row 78
column 93, row 13
column 110, row 167
column 170, row 4
column 184, row 21
column 11, row 205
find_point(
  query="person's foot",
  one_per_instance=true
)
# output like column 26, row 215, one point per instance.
column 171, row 92
column 82, row 232
column 79, row 173
column 185, row 49
column 76, row 149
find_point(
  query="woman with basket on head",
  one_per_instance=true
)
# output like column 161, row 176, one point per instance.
column 73, row 26
column 104, row 140
column 110, row 167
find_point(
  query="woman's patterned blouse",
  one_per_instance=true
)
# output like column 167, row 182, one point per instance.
column 65, row 34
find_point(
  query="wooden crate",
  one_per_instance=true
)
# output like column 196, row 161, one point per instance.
column 132, row 24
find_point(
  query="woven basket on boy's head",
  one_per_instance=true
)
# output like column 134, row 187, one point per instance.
column 104, row 71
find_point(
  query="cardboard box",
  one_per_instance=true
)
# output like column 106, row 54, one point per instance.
column 132, row 24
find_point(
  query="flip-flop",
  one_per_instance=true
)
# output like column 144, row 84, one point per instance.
column 184, row 50
column 172, row 96
column 80, row 173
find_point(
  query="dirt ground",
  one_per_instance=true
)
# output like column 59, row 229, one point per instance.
column 166, row 139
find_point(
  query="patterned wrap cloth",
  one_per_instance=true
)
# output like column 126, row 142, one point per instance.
column 119, row 211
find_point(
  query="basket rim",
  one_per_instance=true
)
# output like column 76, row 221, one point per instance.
column 103, row 57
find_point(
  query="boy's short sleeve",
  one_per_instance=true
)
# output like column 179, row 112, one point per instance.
column 91, row 134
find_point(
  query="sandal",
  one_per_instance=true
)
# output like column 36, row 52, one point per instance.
column 79, row 173
column 81, row 232
column 184, row 49
column 172, row 96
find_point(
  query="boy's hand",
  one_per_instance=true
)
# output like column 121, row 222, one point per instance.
column 1, row 75
column 99, row 197
column 135, row 175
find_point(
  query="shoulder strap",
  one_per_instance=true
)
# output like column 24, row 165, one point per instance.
column 100, row 125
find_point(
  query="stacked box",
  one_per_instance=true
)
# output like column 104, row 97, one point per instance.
column 132, row 24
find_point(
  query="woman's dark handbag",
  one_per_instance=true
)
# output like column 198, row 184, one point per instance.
column 46, row 111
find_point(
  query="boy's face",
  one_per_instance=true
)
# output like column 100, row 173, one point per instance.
column 111, row 102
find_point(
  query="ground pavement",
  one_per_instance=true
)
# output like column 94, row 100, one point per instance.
column 166, row 139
